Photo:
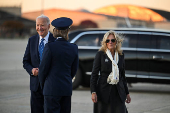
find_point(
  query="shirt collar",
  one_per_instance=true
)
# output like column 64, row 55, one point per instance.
column 59, row 37
column 46, row 37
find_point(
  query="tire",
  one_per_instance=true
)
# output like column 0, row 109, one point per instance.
column 77, row 79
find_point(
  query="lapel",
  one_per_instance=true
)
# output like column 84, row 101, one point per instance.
column 37, row 45
column 119, row 60
column 51, row 38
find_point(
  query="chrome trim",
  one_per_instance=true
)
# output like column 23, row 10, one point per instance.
column 147, row 33
column 139, row 76
column 88, row 73
column 142, row 49
column 152, row 50
column 132, row 29
column 159, row 50
column 162, row 34
column 157, row 57
column 129, row 75
column 88, row 47
column 84, row 33
column 120, row 32
column 157, row 77
column 142, row 76
column 124, row 48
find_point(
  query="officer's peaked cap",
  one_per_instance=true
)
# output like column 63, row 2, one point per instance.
column 62, row 23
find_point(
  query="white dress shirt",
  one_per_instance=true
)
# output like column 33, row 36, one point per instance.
column 46, row 39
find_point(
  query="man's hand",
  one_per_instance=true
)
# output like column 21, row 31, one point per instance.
column 94, row 97
column 35, row 71
column 128, row 99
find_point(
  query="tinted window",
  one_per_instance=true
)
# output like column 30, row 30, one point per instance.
column 72, row 35
column 130, row 40
column 160, row 42
column 88, row 40
column 154, row 42
column 144, row 41
column 100, row 38
column 164, row 42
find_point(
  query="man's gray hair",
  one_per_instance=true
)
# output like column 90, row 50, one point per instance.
column 43, row 16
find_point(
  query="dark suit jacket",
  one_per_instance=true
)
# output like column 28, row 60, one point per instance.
column 58, row 67
column 31, row 59
column 99, row 83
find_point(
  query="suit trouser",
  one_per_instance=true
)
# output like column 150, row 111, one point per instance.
column 57, row 104
column 37, row 101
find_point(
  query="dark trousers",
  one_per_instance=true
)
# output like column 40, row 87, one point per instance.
column 57, row 104
column 37, row 101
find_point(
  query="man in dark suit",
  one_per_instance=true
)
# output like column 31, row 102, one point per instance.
column 58, row 67
column 32, row 59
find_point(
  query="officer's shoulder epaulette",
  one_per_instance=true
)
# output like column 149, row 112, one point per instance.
column 73, row 43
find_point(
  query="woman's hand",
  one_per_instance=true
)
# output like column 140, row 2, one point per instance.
column 94, row 97
column 128, row 99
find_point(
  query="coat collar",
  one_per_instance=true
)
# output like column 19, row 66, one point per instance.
column 61, row 39
column 51, row 38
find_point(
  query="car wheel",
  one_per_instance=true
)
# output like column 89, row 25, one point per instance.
column 77, row 79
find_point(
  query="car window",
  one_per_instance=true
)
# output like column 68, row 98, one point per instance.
column 130, row 40
column 88, row 40
column 144, row 41
column 160, row 42
column 100, row 38
column 164, row 42
column 73, row 35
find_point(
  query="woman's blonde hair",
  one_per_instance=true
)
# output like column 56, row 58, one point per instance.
column 119, row 41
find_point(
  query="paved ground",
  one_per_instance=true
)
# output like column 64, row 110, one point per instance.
column 15, row 93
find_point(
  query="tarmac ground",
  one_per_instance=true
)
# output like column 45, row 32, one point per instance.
column 15, row 93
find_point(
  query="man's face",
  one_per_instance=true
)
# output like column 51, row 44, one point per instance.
column 42, row 27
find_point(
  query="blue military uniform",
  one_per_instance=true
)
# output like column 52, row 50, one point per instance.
column 58, row 67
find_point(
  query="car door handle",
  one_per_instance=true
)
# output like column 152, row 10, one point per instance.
column 157, row 57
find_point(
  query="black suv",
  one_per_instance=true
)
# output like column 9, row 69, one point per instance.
column 147, row 54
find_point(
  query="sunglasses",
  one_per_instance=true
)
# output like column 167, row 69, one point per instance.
column 112, row 40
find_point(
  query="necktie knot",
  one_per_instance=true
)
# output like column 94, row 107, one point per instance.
column 42, row 39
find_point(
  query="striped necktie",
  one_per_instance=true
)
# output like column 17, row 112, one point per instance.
column 41, row 48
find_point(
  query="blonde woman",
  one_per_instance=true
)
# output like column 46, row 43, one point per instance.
column 109, row 90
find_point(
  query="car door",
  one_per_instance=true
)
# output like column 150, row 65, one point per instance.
column 88, row 45
column 129, row 48
column 143, row 55
column 160, row 56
